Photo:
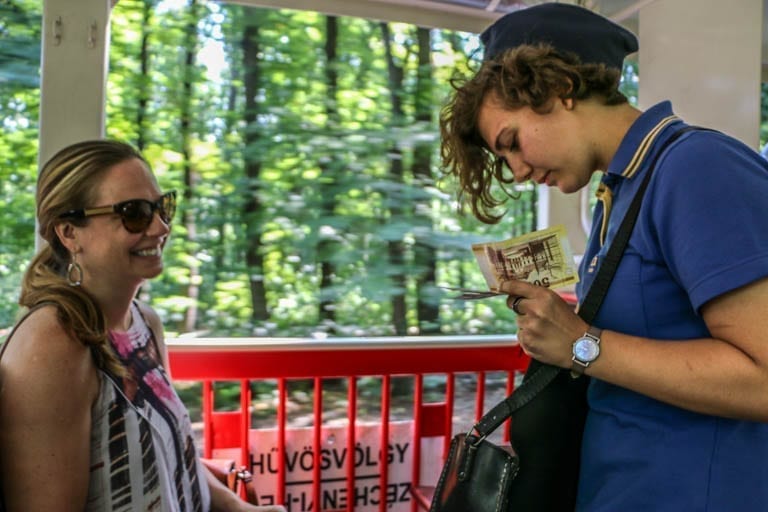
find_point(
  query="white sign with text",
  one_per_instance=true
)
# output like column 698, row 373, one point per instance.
column 334, row 458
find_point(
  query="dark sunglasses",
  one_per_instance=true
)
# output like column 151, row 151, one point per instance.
column 136, row 214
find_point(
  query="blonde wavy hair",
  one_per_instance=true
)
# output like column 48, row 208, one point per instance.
column 69, row 181
column 524, row 76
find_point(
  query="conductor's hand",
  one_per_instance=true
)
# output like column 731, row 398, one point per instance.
column 547, row 325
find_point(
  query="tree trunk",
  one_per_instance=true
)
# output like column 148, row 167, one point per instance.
column 396, row 248
column 425, row 255
column 144, row 80
column 327, row 247
column 190, row 176
column 252, row 204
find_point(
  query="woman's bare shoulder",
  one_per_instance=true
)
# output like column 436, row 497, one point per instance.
column 48, row 388
column 41, row 348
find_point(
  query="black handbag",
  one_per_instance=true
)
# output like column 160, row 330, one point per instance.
column 539, row 471
column 480, row 476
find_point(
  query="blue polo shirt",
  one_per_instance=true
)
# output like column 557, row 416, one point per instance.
column 701, row 232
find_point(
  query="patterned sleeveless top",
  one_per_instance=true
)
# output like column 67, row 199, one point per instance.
column 143, row 455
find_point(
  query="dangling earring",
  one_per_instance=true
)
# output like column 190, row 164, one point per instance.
column 74, row 274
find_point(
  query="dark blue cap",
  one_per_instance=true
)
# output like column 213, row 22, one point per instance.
column 567, row 27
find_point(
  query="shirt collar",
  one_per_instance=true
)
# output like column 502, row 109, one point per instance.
column 639, row 139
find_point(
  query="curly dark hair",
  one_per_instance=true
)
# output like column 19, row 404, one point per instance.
column 525, row 76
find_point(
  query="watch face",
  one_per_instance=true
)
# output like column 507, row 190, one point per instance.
column 586, row 349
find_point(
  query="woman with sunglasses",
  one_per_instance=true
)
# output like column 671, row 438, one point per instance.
column 89, row 419
column 678, row 353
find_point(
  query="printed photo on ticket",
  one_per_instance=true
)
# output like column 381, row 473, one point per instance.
column 542, row 257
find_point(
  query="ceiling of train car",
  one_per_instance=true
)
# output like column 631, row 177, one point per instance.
column 465, row 15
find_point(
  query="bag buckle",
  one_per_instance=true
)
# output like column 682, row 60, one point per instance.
column 480, row 437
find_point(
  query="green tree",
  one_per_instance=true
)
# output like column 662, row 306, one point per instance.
column 329, row 169
column 253, row 208
column 397, row 207
column 425, row 250
column 20, row 23
column 310, row 195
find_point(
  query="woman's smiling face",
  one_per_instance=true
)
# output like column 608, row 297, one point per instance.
column 548, row 148
column 110, row 253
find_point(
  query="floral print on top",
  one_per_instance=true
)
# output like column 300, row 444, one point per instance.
column 143, row 455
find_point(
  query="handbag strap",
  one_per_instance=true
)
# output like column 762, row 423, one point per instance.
column 540, row 375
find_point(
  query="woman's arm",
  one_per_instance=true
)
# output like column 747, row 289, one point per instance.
column 725, row 375
column 49, row 384
column 224, row 500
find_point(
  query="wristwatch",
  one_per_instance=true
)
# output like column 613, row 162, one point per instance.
column 585, row 350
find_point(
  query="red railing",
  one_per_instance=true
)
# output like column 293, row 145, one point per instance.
column 282, row 359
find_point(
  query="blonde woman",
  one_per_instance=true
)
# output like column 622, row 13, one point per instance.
column 88, row 417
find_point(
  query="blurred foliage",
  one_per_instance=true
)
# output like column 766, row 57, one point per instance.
column 20, row 23
column 296, row 144
column 295, row 147
column 144, row 105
